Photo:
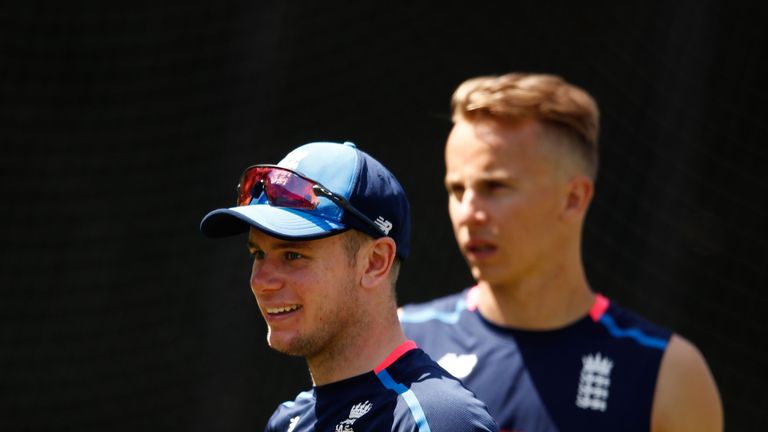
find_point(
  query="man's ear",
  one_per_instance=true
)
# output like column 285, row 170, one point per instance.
column 578, row 195
column 378, row 259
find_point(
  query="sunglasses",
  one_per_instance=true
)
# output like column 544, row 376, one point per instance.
column 286, row 188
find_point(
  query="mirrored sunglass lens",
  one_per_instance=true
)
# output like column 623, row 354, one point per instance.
column 286, row 189
column 250, row 186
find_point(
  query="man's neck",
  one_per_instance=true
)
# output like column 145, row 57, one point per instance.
column 546, row 302
column 357, row 353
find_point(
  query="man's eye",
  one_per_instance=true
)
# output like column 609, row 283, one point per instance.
column 455, row 190
column 290, row 256
column 257, row 254
column 495, row 187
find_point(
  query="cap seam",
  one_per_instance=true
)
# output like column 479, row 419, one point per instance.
column 353, row 181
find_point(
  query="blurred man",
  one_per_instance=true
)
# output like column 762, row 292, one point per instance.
column 531, row 338
column 327, row 228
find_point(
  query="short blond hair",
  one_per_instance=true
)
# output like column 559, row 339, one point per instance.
column 551, row 100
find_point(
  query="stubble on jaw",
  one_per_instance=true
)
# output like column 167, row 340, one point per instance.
column 338, row 326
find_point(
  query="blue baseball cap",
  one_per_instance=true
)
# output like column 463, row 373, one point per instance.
column 344, row 170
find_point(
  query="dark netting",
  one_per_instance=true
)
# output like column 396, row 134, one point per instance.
column 122, row 125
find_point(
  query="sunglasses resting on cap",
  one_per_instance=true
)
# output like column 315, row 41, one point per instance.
column 317, row 190
column 286, row 188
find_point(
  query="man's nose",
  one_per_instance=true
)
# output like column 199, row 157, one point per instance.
column 471, row 208
column 264, row 276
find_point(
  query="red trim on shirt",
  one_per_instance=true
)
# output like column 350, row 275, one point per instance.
column 473, row 298
column 599, row 307
column 395, row 354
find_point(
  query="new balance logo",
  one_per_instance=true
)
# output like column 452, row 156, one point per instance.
column 355, row 413
column 594, row 382
column 385, row 225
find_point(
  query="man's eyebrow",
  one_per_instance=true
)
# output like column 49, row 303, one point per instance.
column 453, row 178
column 291, row 245
column 282, row 245
column 483, row 177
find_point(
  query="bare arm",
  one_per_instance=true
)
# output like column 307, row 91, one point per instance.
column 686, row 396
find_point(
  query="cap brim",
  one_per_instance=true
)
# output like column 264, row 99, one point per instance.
column 279, row 222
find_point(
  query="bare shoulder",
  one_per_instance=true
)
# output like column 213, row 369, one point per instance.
column 686, row 396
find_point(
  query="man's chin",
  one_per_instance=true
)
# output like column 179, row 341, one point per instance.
column 488, row 274
column 293, row 347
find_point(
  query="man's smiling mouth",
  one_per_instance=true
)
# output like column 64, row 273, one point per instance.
column 283, row 309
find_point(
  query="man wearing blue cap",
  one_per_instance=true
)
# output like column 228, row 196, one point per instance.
column 328, row 227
